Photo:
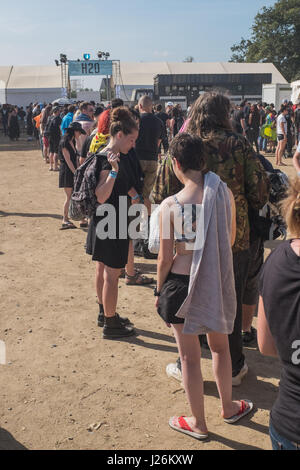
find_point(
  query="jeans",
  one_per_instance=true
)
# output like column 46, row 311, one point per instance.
column 241, row 261
column 281, row 443
column 262, row 143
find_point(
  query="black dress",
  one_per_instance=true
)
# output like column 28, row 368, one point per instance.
column 13, row 128
column 66, row 177
column 113, row 252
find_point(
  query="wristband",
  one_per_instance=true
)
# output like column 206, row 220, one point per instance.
column 113, row 174
column 135, row 197
column 156, row 293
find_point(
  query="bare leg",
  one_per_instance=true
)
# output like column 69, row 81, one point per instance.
column 110, row 291
column 190, row 355
column 51, row 158
column 248, row 314
column 99, row 281
column 129, row 268
column 68, row 192
column 219, row 346
column 55, row 158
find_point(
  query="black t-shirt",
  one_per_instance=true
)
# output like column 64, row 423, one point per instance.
column 280, row 290
column 86, row 146
column 163, row 117
column 238, row 115
column 262, row 116
column 151, row 131
column 54, row 128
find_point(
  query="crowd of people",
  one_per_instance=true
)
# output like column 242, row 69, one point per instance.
column 206, row 162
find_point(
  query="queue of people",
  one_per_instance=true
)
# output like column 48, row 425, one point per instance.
column 210, row 182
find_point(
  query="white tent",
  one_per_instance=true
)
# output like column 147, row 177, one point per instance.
column 29, row 84
column 295, row 91
column 4, row 76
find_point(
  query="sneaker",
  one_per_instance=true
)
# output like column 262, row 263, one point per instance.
column 249, row 337
column 173, row 370
column 237, row 379
column 114, row 328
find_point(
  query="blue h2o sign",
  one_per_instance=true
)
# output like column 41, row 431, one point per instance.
column 91, row 67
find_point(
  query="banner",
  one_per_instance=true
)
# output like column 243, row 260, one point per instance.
column 90, row 67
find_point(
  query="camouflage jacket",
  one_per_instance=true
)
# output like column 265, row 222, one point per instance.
column 166, row 183
column 230, row 156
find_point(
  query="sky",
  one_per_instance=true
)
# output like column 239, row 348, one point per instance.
column 35, row 32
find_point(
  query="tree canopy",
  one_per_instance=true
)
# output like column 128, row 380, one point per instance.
column 275, row 38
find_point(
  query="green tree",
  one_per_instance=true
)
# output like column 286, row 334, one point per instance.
column 275, row 38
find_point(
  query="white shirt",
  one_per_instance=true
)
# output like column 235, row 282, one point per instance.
column 280, row 119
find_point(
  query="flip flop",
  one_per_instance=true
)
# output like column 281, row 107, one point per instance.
column 246, row 407
column 67, row 226
column 185, row 428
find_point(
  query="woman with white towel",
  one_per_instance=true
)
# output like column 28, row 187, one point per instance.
column 195, row 288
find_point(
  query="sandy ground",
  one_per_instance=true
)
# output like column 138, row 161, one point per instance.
column 61, row 376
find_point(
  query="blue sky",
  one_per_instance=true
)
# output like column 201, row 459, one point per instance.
column 36, row 31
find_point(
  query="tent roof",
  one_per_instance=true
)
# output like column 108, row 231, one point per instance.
column 140, row 73
column 32, row 77
column 4, row 75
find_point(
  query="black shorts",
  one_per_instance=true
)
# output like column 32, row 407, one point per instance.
column 173, row 294
column 53, row 144
column 280, row 137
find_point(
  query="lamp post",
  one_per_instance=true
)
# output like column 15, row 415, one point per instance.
column 62, row 62
column 106, row 55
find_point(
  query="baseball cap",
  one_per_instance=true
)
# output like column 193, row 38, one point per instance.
column 170, row 103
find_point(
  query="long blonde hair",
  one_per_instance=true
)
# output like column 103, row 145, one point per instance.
column 291, row 208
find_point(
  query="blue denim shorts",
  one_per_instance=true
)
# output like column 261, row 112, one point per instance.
column 281, row 443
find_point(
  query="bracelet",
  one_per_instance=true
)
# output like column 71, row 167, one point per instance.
column 135, row 197
column 156, row 293
column 113, row 174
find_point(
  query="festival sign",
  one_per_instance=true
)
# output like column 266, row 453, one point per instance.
column 90, row 67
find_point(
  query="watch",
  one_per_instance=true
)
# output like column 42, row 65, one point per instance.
column 156, row 293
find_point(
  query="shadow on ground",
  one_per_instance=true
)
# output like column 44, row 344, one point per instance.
column 8, row 442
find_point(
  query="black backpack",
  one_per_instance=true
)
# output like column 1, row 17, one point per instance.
column 269, row 223
column 47, row 131
column 83, row 200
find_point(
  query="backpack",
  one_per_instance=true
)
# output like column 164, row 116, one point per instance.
column 83, row 200
column 270, row 223
column 47, row 131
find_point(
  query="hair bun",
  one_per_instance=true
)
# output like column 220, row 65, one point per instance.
column 120, row 114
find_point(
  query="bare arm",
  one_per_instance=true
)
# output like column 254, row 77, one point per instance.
column 104, row 187
column 296, row 162
column 67, row 158
column 265, row 339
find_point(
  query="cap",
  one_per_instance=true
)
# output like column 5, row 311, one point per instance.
column 76, row 126
column 170, row 103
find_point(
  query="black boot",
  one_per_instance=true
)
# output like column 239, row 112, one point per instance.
column 114, row 328
column 124, row 321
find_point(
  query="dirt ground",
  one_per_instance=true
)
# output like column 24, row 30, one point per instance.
column 61, row 376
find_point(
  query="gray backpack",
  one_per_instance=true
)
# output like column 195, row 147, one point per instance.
column 83, row 200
